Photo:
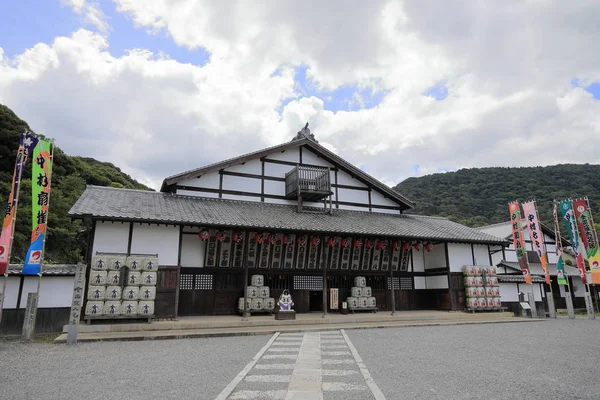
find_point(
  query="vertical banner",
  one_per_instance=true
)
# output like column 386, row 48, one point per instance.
column 589, row 237
column 302, row 241
column 560, row 267
column 396, row 247
column 277, row 251
column 356, row 247
column 566, row 209
column 518, row 240
column 313, row 252
column 225, row 249
column 265, row 251
column 536, row 235
column 346, row 250
column 335, row 253
column 238, row 249
column 26, row 144
column 290, row 246
column 252, row 248
column 41, row 176
column 211, row 249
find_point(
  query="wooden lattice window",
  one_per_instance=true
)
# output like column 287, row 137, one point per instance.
column 396, row 282
column 186, row 282
column 203, row 282
column 406, row 283
column 308, row 282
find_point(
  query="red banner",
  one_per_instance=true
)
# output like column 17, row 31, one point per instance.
column 519, row 240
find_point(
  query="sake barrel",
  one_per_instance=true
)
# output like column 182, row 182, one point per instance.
column 116, row 263
column 257, row 304
column 352, row 302
column 466, row 269
column 360, row 281
column 134, row 278
column 150, row 263
column 477, row 281
column 148, row 278
column 469, row 281
column 367, row 291
column 129, row 307
column 131, row 293
column 95, row 293
column 241, row 304
column 135, row 263
column 257, row 280
column 99, row 263
column 113, row 278
column 263, row 291
column 98, row 278
column 356, row 291
column 372, row 302
column 476, row 270
column 145, row 308
column 112, row 293
column 489, row 291
column 480, row 291
column 497, row 302
column 363, row 302
column 471, row 291
column 268, row 304
column 94, row 308
column 471, row 302
column 496, row 291
column 492, row 281
column 252, row 292
column 489, row 302
column 481, row 303
column 112, row 308
column 147, row 293
column 490, row 271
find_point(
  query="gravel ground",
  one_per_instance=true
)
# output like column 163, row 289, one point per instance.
column 162, row 369
column 552, row 359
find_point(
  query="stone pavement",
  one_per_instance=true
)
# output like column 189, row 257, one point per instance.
column 302, row 366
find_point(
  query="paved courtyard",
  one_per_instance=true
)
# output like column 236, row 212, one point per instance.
column 543, row 360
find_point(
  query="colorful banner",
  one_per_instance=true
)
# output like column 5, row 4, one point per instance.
column 589, row 238
column 566, row 210
column 40, row 199
column 560, row 267
column 26, row 144
column 518, row 240
column 536, row 235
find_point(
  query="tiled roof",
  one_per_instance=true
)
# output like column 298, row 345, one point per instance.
column 536, row 268
column 519, row 278
column 144, row 206
column 47, row 269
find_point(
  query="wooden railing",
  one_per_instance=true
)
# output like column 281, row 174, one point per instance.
column 307, row 180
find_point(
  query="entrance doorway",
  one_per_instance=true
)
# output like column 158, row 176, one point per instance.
column 316, row 300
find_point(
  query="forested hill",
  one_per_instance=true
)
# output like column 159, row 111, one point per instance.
column 480, row 196
column 66, row 239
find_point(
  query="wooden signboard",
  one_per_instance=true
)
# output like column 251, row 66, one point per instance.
column 76, row 303
column 265, row 251
column 396, row 258
column 324, row 253
column 346, row 253
column 313, row 254
column 238, row 251
column 334, row 298
column 376, row 259
column 404, row 259
column 288, row 255
column 301, row 252
column 225, row 250
column 277, row 252
column 252, row 249
column 211, row 250
column 385, row 256
column 335, row 254
column 366, row 259
column 356, row 253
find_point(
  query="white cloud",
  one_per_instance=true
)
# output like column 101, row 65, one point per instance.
column 91, row 12
column 507, row 68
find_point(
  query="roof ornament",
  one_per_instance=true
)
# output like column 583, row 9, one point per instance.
column 305, row 133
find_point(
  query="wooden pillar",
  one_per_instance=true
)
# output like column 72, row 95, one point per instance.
column 453, row 305
column 324, row 291
column 392, row 283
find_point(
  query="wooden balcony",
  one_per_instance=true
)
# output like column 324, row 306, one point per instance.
column 307, row 183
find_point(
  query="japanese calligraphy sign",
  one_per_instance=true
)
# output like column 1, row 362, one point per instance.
column 518, row 240
column 252, row 250
column 265, row 252
column 76, row 303
column 566, row 210
column 560, row 267
column 40, row 197
column 238, row 249
column 346, row 244
column 290, row 243
column 395, row 261
column 302, row 240
column 536, row 235
column 277, row 251
column 225, row 249
column 26, row 144
column 405, row 259
column 211, row 250
column 589, row 237
column 313, row 253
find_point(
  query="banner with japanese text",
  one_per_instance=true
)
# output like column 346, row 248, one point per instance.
column 536, row 235
column 40, row 198
column 560, row 266
column 589, row 237
column 518, row 240
column 566, row 210
column 26, row 144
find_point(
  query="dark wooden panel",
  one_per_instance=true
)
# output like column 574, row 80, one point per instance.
column 226, row 301
column 47, row 320
column 381, row 298
column 405, row 299
column 195, row 302
column 426, row 299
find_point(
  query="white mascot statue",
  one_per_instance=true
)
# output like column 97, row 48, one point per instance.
column 285, row 301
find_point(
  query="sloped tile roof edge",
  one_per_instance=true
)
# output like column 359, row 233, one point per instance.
column 159, row 207
column 47, row 269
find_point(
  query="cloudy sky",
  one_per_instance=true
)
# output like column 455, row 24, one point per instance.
column 399, row 88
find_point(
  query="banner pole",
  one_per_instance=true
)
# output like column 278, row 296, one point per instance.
column 48, row 208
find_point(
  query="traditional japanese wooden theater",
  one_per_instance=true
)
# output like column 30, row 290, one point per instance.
column 299, row 215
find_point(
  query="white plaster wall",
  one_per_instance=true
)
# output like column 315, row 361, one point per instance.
column 459, row 255
column 482, row 255
column 291, row 155
column 274, row 187
column 501, row 231
column 277, row 170
column 345, row 179
column 197, row 194
column 436, row 282
column 250, row 167
column 383, row 211
column 578, row 287
column 208, row 181
column 508, row 291
column 192, row 251
column 242, row 198
column 308, row 157
column 510, row 254
column 379, row 199
column 418, row 261
column 111, row 237
column 241, row 184
column 353, row 196
column 55, row 291
column 420, row 282
column 12, row 291
column 436, row 258
column 282, row 201
column 345, row 207
column 152, row 239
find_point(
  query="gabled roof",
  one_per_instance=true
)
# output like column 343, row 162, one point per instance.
column 545, row 229
column 536, row 268
column 106, row 203
column 314, row 146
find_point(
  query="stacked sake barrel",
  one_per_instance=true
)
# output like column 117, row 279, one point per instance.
column 258, row 296
column 481, row 288
column 361, row 295
column 122, row 286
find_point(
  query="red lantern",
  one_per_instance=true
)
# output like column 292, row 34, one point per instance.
column 382, row 244
column 315, row 240
column 406, row 245
column 204, row 235
column 259, row 238
column 358, row 243
column 368, row 244
column 287, row 240
column 272, row 238
column 418, row 246
column 302, row 240
column 331, row 241
column 238, row 237
column 428, row 247
column 345, row 242
column 221, row 236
